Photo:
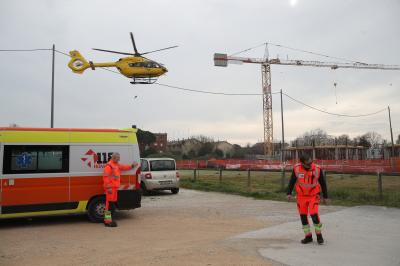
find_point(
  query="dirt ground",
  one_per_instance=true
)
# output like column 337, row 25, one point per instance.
column 190, row 228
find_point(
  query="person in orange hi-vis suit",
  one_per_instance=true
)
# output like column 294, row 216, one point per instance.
column 309, row 180
column 111, row 183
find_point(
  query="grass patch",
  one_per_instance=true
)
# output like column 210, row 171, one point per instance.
column 347, row 190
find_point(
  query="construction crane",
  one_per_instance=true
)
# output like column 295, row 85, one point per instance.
column 222, row 60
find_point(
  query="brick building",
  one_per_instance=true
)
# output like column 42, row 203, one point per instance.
column 160, row 145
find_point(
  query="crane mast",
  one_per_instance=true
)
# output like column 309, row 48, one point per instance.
column 222, row 60
column 267, row 110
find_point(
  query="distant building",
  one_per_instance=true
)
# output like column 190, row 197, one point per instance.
column 257, row 151
column 185, row 147
column 160, row 145
column 388, row 151
column 191, row 147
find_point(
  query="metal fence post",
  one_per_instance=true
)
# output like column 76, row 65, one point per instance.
column 248, row 178
column 380, row 192
column 220, row 175
column 194, row 174
column 283, row 178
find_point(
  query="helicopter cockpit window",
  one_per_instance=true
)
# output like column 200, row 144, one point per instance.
column 138, row 64
column 145, row 64
column 154, row 65
column 134, row 64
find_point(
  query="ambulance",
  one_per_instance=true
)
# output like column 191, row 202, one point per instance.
column 59, row 171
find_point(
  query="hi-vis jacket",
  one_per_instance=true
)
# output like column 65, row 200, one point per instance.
column 112, row 174
column 308, row 182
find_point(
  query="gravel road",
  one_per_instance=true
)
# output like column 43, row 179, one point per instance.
column 190, row 228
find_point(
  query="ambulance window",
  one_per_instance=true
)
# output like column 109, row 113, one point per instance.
column 144, row 166
column 23, row 160
column 50, row 160
column 20, row 159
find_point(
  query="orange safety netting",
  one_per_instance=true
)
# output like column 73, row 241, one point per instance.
column 339, row 166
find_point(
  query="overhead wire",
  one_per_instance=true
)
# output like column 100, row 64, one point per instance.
column 248, row 49
column 330, row 113
column 25, row 50
column 62, row 53
column 211, row 92
column 288, row 96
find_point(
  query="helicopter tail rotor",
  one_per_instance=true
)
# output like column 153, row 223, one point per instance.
column 78, row 63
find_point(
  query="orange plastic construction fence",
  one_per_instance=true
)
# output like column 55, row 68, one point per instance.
column 339, row 166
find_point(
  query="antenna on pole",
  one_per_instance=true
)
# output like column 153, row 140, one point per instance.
column 52, row 89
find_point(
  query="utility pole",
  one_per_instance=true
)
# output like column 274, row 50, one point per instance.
column 391, row 132
column 52, row 90
column 283, row 132
column 282, row 148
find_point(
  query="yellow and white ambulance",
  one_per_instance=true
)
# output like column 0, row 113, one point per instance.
column 59, row 171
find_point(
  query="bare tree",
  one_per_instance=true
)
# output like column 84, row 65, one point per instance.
column 312, row 137
column 343, row 140
column 203, row 139
column 362, row 141
column 375, row 139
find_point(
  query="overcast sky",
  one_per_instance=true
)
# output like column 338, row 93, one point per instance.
column 366, row 31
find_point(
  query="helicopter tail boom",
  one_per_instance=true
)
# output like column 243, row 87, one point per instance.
column 78, row 63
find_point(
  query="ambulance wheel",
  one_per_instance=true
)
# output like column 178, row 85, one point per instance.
column 144, row 189
column 175, row 190
column 96, row 209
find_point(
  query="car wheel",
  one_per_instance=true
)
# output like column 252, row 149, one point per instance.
column 96, row 209
column 175, row 190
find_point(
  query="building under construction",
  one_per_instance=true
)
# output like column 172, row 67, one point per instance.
column 335, row 152
column 339, row 151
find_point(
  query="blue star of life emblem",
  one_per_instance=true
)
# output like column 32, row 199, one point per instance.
column 24, row 160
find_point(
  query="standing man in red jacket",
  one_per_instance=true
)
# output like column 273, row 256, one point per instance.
column 309, row 180
column 111, row 183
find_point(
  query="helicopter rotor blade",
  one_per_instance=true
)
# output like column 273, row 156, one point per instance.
column 110, row 51
column 160, row 49
column 134, row 45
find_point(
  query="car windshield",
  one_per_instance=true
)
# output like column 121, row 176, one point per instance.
column 162, row 165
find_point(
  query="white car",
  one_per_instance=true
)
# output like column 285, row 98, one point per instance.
column 159, row 174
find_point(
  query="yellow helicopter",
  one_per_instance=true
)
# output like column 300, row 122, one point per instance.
column 141, row 69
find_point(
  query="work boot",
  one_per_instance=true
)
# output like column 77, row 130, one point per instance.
column 112, row 224
column 307, row 239
column 320, row 239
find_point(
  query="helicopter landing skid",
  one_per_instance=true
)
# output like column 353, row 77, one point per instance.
column 145, row 80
